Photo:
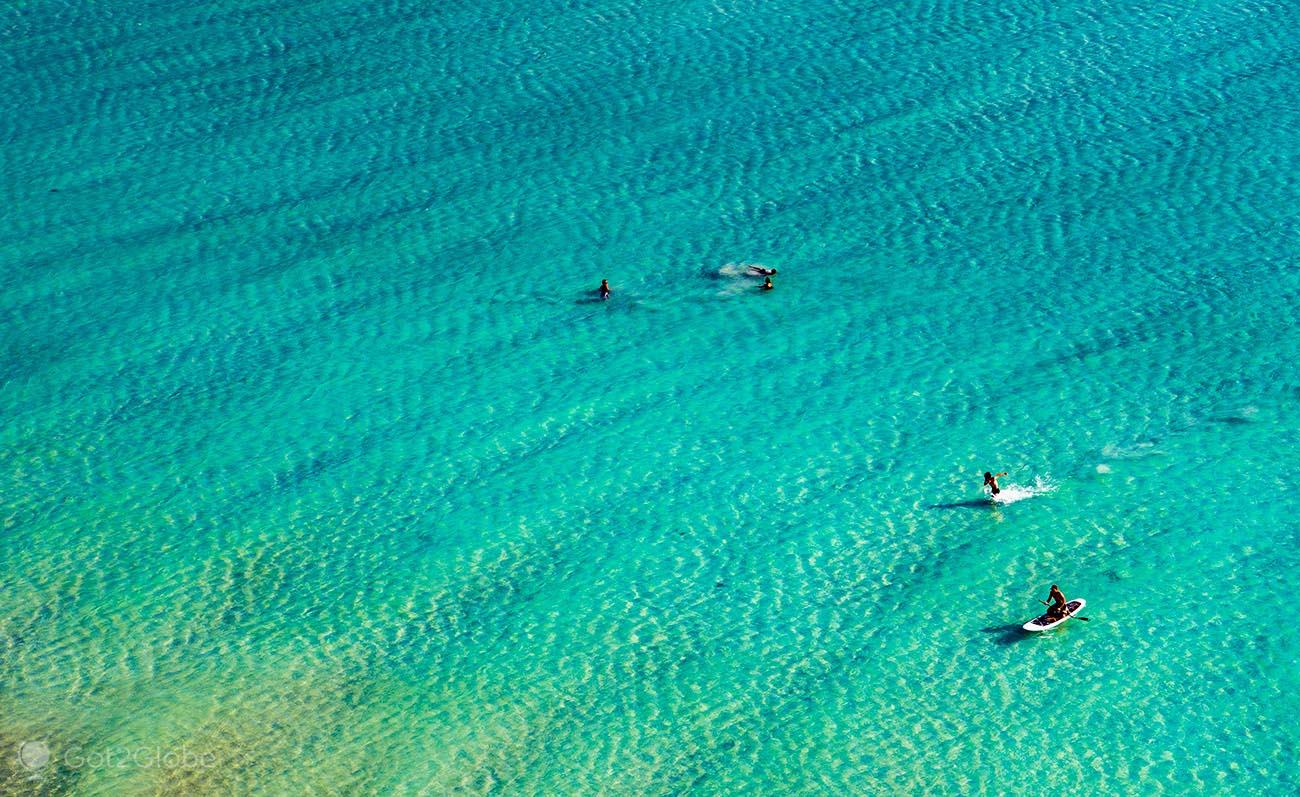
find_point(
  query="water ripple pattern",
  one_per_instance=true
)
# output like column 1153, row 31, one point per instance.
column 326, row 472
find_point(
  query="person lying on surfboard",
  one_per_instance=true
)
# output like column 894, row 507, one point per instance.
column 991, row 481
column 759, row 271
column 1055, row 609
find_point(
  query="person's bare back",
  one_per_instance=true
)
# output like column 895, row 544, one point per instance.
column 991, row 481
column 1058, row 603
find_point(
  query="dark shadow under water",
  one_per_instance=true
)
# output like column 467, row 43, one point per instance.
column 1008, row 634
column 982, row 504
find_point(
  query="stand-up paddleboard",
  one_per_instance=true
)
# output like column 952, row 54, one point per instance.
column 1046, row 621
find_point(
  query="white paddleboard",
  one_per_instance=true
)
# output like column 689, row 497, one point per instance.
column 1045, row 622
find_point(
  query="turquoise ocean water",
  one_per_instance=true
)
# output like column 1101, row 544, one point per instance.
column 322, row 465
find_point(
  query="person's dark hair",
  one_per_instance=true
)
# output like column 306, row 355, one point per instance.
column 988, row 474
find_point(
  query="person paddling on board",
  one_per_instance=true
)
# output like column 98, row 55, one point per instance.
column 767, row 285
column 1055, row 609
column 604, row 289
column 991, row 481
column 759, row 271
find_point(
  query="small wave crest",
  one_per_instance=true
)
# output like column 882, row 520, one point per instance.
column 1134, row 451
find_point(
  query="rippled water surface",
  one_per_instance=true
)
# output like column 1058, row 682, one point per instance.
column 323, row 464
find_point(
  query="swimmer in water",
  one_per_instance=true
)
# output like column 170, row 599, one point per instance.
column 1055, row 609
column 767, row 285
column 604, row 289
column 759, row 271
column 991, row 481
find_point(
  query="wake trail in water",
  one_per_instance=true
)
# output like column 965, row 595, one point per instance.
column 740, row 270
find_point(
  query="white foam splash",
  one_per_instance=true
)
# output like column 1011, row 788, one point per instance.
column 1019, row 492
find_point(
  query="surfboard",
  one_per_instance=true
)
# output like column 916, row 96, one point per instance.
column 1044, row 622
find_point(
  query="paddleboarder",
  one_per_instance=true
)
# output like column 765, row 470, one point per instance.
column 991, row 481
column 1056, row 609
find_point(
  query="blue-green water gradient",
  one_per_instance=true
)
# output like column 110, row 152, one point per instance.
column 321, row 460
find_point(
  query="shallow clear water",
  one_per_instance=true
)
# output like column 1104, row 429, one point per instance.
column 323, row 464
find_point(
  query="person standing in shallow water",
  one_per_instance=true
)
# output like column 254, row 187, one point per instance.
column 991, row 481
column 604, row 289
